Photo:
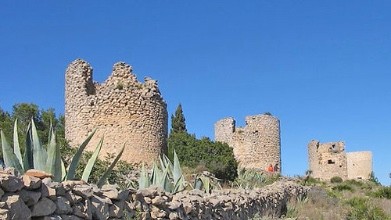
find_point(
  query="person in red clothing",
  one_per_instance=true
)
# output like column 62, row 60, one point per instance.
column 270, row 168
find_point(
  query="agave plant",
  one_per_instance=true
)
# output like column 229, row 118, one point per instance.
column 206, row 182
column 167, row 176
column 49, row 160
column 250, row 179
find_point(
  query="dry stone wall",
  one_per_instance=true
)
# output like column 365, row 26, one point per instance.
column 122, row 109
column 30, row 197
column 327, row 160
column 257, row 145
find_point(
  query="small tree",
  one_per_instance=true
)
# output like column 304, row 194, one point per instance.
column 178, row 122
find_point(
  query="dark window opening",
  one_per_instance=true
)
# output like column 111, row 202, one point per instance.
column 330, row 162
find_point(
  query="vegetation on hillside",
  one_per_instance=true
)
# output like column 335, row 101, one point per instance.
column 215, row 157
column 24, row 113
column 350, row 199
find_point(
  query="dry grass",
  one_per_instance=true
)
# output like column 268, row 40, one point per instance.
column 346, row 200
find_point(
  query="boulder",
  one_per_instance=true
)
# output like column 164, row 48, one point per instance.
column 16, row 209
column 44, row 207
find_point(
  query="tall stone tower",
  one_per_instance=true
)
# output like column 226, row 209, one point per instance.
column 124, row 111
column 255, row 145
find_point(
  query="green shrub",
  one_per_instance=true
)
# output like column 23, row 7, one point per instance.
column 217, row 157
column 362, row 209
column 343, row 187
column 336, row 179
column 383, row 192
column 354, row 182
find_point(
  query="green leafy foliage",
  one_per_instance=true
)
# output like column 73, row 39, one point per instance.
column 217, row 157
column 362, row 209
column 36, row 156
column 383, row 192
column 336, row 179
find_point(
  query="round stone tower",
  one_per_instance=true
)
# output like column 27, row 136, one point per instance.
column 256, row 145
column 123, row 110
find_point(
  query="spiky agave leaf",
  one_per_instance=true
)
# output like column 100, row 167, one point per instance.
column 179, row 180
column 91, row 161
column 28, row 162
column 54, row 163
column 103, row 179
column 76, row 158
column 39, row 153
column 16, row 144
column 10, row 159
column 156, row 175
column 165, row 181
column 177, row 171
column 143, row 180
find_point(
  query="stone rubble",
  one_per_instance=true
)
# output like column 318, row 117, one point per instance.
column 80, row 200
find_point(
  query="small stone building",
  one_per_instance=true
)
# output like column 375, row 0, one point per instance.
column 327, row 160
column 122, row 109
column 256, row 145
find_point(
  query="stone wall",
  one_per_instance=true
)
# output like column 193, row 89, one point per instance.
column 327, row 160
column 359, row 164
column 124, row 111
column 255, row 145
column 30, row 197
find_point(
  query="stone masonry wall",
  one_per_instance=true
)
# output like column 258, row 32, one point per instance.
column 327, row 160
column 359, row 164
column 124, row 111
column 30, row 197
column 257, row 144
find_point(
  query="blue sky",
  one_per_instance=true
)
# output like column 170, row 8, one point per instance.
column 321, row 67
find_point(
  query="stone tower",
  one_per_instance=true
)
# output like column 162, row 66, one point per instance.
column 327, row 160
column 124, row 111
column 255, row 145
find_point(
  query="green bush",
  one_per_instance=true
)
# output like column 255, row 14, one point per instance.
column 383, row 192
column 362, row 209
column 217, row 157
column 343, row 187
column 336, row 179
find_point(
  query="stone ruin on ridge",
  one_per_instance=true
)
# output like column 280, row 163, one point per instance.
column 255, row 145
column 124, row 111
column 327, row 160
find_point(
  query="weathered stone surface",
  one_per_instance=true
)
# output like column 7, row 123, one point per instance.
column 10, row 183
column 38, row 173
column 29, row 197
column 1, row 193
column 255, row 146
column 44, row 207
column 110, row 191
column 269, row 201
column 31, row 182
column 83, row 210
column 100, row 209
column 84, row 191
column 16, row 209
column 63, row 206
column 48, row 192
column 327, row 160
column 123, row 109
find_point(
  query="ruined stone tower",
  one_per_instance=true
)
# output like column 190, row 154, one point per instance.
column 255, row 145
column 124, row 111
column 327, row 160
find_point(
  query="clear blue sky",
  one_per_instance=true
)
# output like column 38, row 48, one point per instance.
column 322, row 67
